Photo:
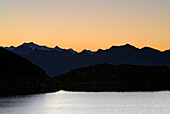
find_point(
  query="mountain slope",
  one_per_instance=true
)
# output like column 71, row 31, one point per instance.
column 106, row 77
column 20, row 76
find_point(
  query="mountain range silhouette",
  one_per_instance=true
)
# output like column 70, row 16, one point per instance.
column 56, row 60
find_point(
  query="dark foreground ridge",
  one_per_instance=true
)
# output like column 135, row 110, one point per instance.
column 20, row 76
column 106, row 77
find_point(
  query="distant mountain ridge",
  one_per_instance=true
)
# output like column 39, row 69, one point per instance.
column 56, row 60
column 34, row 46
column 31, row 46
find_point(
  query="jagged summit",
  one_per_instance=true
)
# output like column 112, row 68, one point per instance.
column 167, row 51
column 36, row 46
column 150, row 49
column 58, row 48
column 88, row 51
column 128, row 45
column 123, row 46
column 32, row 43
column 72, row 51
column 10, row 48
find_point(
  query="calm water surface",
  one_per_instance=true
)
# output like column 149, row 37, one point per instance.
column 87, row 103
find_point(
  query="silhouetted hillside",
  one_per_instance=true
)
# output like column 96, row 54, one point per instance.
column 106, row 77
column 56, row 61
column 20, row 76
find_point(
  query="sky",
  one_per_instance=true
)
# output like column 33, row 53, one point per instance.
column 86, row 24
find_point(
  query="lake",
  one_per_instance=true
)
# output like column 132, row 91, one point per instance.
column 88, row 103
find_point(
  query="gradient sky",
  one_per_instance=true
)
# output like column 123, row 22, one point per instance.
column 89, row 24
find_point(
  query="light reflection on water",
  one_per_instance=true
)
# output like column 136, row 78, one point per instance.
column 87, row 103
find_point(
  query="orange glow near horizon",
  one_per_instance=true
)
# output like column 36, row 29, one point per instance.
column 90, row 24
